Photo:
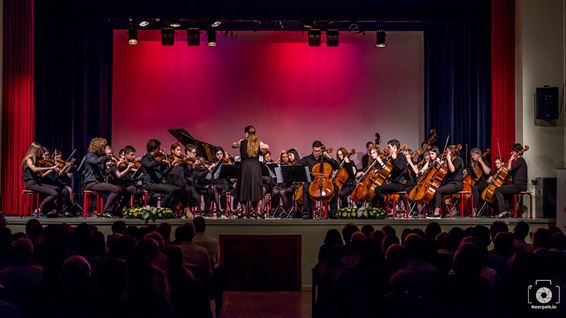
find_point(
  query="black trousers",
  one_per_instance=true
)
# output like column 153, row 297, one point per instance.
column 114, row 193
column 449, row 188
column 345, row 192
column 173, row 194
column 477, row 189
column 308, row 201
column 53, row 194
column 387, row 189
column 506, row 191
column 281, row 194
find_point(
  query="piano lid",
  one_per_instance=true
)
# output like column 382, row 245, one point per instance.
column 204, row 149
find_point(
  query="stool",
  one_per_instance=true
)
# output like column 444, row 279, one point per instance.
column 30, row 201
column 518, row 197
column 267, row 204
column 87, row 202
column 147, row 195
column 393, row 206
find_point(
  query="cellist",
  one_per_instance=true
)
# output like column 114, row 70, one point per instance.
column 518, row 173
column 397, row 175
column 454, row 179
column 348, row 187
column 317, row 151
column 481, row 180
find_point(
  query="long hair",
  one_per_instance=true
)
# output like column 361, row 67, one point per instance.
column 253, row 141
column 344, row 152
column 33, row 153
column 97, row 145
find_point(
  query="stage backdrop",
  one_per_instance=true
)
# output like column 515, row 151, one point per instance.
column 291, row 92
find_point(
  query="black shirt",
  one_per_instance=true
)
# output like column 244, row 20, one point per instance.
column 310, row 161
column 458, row 175
column 519, row 172
column 472, row 172
column 365, row 161
column 94, row 168
column 30, row 177
column 153, row 170
column 399, row 169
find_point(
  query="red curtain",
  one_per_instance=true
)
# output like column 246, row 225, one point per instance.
column 18, row 108
column 502, row 76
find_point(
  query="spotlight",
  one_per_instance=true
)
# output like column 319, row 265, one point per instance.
column 332, row 37
column 133, row 36
column 193, row 37
column 216, row 23
column 144, row 23
column 314, row 37
column 380, row 38
column 167, row 36
column 174, row 24
column 211, row 38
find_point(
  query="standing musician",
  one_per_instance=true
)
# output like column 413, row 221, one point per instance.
column 366, row 160
column 454, row 179
column 318, row 150
column 95, row 170
column 33, row 167
column 481, row 183
column 397, row 175
column 349, row 185
column 518, row 171
column 154, row 168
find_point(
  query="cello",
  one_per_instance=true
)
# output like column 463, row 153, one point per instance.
column 380, row 177
column 500, row 178
column 362, row 184
column 321, row 188
column 438, row 173
column 340, row 176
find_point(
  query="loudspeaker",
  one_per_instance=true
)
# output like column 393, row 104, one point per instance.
column 545, row 197
column 547, row 103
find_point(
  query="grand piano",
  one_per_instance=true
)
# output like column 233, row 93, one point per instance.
column 204, row 149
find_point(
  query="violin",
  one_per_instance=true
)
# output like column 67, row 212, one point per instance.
column 136, row 164
column 500, row 178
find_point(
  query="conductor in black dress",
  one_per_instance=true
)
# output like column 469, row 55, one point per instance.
column 250, row 187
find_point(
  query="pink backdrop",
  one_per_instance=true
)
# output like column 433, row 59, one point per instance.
column 291, row 92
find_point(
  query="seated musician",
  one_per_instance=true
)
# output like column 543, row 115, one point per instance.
column 518, row 171
column 154, row 168
column 481, row 183
column 126, row 175
column 318, row 152
column 366, row 160
column 281, row 193
column 33, row 168
column 349, row 185
column 219, row 187
column 63, row 179
column 95, row 170
column 453, row 181
column 294, row 157
column 397, row 175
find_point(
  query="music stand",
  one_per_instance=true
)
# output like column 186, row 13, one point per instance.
column 296, row 175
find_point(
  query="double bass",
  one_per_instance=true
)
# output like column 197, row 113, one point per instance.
column 500, row 178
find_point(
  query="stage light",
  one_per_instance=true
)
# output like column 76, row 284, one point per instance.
column 314, row 37
column 174, row 24
column 167, row 36
column 133, row 36
column 211, row 38
column 332, row 37
column 193, row 37
column 144, row 23
column 216, row 23
column 380, row 38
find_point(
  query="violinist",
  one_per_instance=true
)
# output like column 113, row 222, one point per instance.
column 481, row 180
column 154, row 168
column 177, row 174
column 318, row 153
column 396, row 177
column 218, row 186
column 348, row 187
column 31, row 171
column 126, row 175
column 195, row 176
column 518, row 171
column 366, row 160
column 94, row 172
column 64, row 176
column 282, row 192
column 454, row 179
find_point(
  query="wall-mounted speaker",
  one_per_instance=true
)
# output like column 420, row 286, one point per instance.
column 547, row 103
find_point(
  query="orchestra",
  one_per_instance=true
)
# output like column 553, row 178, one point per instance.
column 204, row 179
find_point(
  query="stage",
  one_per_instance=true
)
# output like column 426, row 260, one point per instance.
column 307, row 235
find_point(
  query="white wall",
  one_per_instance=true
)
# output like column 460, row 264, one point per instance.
column 540, row 60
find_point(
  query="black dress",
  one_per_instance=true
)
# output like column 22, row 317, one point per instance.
column 250, row 185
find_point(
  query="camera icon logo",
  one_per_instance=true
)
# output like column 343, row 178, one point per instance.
column 543, row 295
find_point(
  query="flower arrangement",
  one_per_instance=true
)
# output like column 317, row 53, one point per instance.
column 361, row 213
column 148, row 213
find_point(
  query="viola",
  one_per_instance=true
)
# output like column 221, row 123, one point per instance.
column 500, row 178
